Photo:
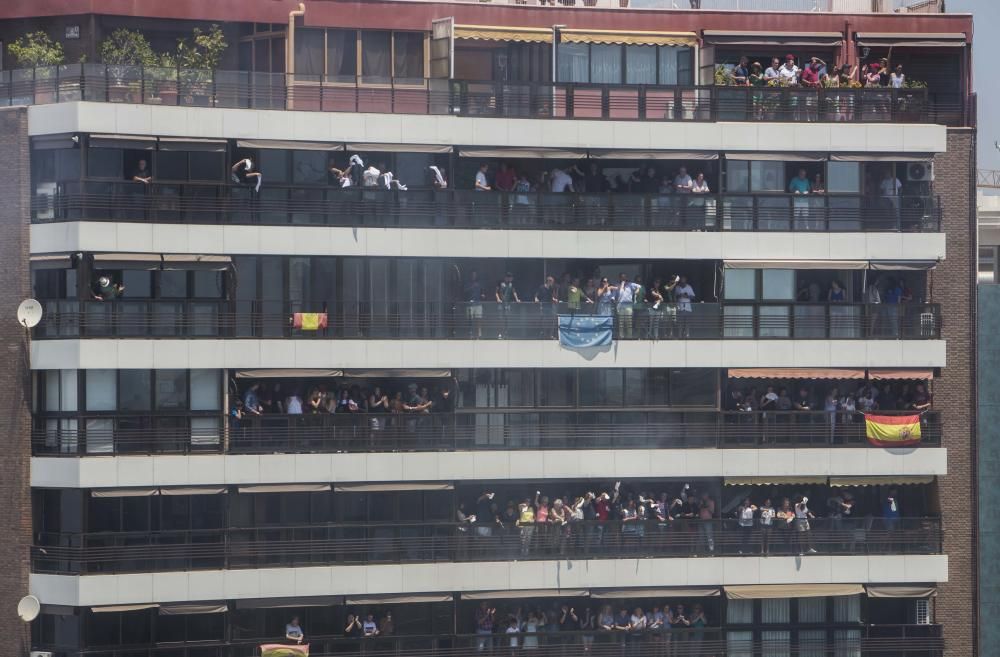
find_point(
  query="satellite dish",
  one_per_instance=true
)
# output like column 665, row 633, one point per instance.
column 28, row 608
column 29, row 313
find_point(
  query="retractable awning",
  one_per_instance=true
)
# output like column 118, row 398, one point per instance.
column 162, row 261
column 629, row 38
column 774, row 39
column 125, row 492
column 186, row 609
column 888, row 157
column 292, row 145
column 399, row 599
column 688, row 592
column 769, row 591
column 889, row 480
column 901, row 591
column 774, row 481
column 288, row 374
column 194, row 490
column 131, row 142
column 911, row 39
column 896, row 375
column 397, row 374
column 398, row 148
column 903, row 265
column 652, row 155
column 168, row 492
column 801, row 156
column 795, row 373
column 526, row 153
column 795, row 264
column 187, row 144
column 52, row 142
column 290, row 603
column 501, row 33
column 110, row 609
column 527, row 593
column 285, row 488
column 379, row 488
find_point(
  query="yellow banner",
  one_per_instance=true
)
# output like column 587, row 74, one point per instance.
column 893, row 430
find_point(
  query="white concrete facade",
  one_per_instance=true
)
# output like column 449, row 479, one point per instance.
column 95, row 590
column 93, row 472
column 99, row 353
column 126, row 237
column 129, row 119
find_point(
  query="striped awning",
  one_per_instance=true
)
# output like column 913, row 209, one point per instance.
column 770, row 591
column 629, row 38
column 826, row 373
column 774, row 481
column 890, row 480
column 501, row 33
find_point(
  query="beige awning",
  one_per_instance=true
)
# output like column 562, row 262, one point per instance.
column 290, row 603
column 652, row 155
column 188, row 144
column 110, row 609
column 398, row 148
column 526, row 593
column 901, row 591
column 889, row 157
column 399, row 599
column 124, row 492
column 288, row 144
column 525, row 153
column 796, row 264
column 130, row 142
column 194, row 490
column 50, row 262
column 775, row 39
column 162, row 261
column 794, row 373
column 53, row 142
column 791, row 156
column 185, row 609
column 903, row 265
column 693, row 592
column 889, row 480
column 774, row 481
column 397, row 374
column 911, row 39
column 378, row 488
column 288, row 374
column 689, row 39
column 769, row 591
column 895, row 375
column 285, row 488
column 501, row 33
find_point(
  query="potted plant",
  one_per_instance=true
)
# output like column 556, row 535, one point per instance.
column 164, row 77
column 911, row 100
column 198, row 58
column 36, row 51
column 126, row 52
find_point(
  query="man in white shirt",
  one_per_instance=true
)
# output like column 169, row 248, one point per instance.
column 772, row 72
column 481, row 184
column 624, row 305
column 789, row 73
column 561, row 181
column 682, row 182
column 294, row 404
column 683, row 295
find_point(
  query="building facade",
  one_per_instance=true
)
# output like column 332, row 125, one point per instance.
column 305, row 368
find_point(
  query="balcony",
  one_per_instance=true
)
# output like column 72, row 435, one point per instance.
column 94, row 435
column 279, row 91
column 367, row 543
column 463, row 321
column 193, row 203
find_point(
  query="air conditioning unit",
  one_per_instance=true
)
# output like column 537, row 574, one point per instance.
column 922, row 615
column 39, row 653
column 920, row 172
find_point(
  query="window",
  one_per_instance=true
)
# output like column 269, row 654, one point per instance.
column 640, row 64
column 173, row 284
column 274, row 164
column 341, row 53
column 135, row 386
column 737, row 176
column 138, row 283
column 309, row 51
column 408, row 55
column 206, row 390
column 375, row 52
column 104, row 162
column 778, row 284
column 843, row 177
column 309, row 167
column 605, row 64
column 171, row 165
column 171, row 389
column 102, row 390
column 207, row 166
column 767, row 176
column 574, row 62
column 693, row 387
column 740, row 284
column 60, row 390
column 208, row 285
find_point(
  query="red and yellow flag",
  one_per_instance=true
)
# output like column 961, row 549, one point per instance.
column 893, row 430
column 281, row 650
column 309, row 321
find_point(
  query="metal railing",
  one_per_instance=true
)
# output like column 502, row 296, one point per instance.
column 68, row 434
column 620, row 102
column 732, row 641
column 488, row 320
column 370, row 543
column 196, row 203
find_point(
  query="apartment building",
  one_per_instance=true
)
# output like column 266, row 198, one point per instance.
column 453, row 328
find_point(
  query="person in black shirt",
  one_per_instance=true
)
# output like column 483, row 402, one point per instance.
column 142, row 174
column 547, row 295
column 353, row 629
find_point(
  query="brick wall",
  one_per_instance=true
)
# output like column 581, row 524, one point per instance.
column 15, row 419
column 954, row 392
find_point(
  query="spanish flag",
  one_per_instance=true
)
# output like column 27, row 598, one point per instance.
column 281, row 650
column 309, row 321
column 893, row 430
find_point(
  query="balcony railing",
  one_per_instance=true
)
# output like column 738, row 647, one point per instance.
column 489, row 320
column 358, row 543
column 69, row 434
column 195, row 203
column 733, row 641
column 620, row 102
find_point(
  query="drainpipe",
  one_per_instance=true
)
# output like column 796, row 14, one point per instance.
column 290, row 54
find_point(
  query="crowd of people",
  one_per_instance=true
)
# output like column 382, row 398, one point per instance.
column 867, row 397
column 816, row 73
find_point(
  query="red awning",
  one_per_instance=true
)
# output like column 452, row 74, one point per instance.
column 795, row 373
